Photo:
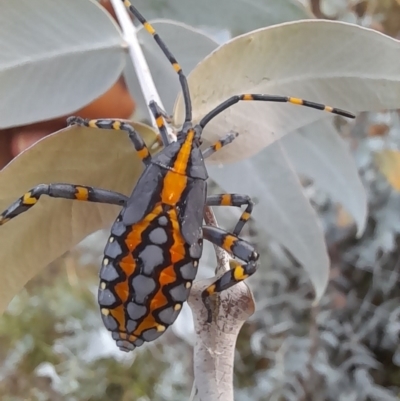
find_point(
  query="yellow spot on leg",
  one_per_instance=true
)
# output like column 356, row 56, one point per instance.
column 149, row 28
column 295, row 100
column 245, row 216
column 218, row 146
column 211, row 289
column 248, row 97
column 28, row 199
column 228, row 243
column 82, row 193
column 239, row 273
column 116, row 125
column 176, row 67
column 160, row 122
column 92, row 124
column 143, row 153
column 226, row 200
column 328, row 108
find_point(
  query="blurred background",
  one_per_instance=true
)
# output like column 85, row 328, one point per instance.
column 53, row 345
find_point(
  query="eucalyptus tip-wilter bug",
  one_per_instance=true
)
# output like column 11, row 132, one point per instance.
column 152, row 254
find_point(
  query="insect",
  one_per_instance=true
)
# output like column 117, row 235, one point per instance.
column 152, row 255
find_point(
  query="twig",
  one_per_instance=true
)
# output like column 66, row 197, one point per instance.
column 215, row 342
column 138, row 60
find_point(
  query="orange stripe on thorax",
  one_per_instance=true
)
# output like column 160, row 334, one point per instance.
column 175, row 181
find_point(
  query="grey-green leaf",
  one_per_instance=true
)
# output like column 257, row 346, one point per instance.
column 56, row 57
column 338, row 64
column 318, row 152
column 242, row 16
column 282, row 209
column 74, row 155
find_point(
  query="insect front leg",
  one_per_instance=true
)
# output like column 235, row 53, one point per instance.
column 236, row 247
column 226, row 140
column 65, row 191
column 134, row 136
column 160, row 115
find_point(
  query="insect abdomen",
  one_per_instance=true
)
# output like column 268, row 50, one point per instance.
column 146, row 275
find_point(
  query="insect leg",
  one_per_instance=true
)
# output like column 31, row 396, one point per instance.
column 160, row 111
column 134, row 136
column 237, row 200
column 226, row 140
column 270, row 98
column 66, row 191
column 159, row 115
column 238, row 248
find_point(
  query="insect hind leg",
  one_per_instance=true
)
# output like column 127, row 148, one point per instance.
column 236, row 247
column 65, row 191
column 237, row 200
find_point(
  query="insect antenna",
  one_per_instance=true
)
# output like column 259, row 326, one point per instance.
column 170, row 57
column 270, row 98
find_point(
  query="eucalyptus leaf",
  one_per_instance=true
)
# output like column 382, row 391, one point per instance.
column 242, row 16
column 282, row 210
column 334, row 63
column 54, row 58
column 318, row 152
column 74, row 155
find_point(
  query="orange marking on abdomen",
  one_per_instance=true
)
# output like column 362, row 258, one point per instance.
column 167, row 276
column 177, row 250
column 119, row 315
column 128, row 265
column 149, row 322
column 134, row 238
